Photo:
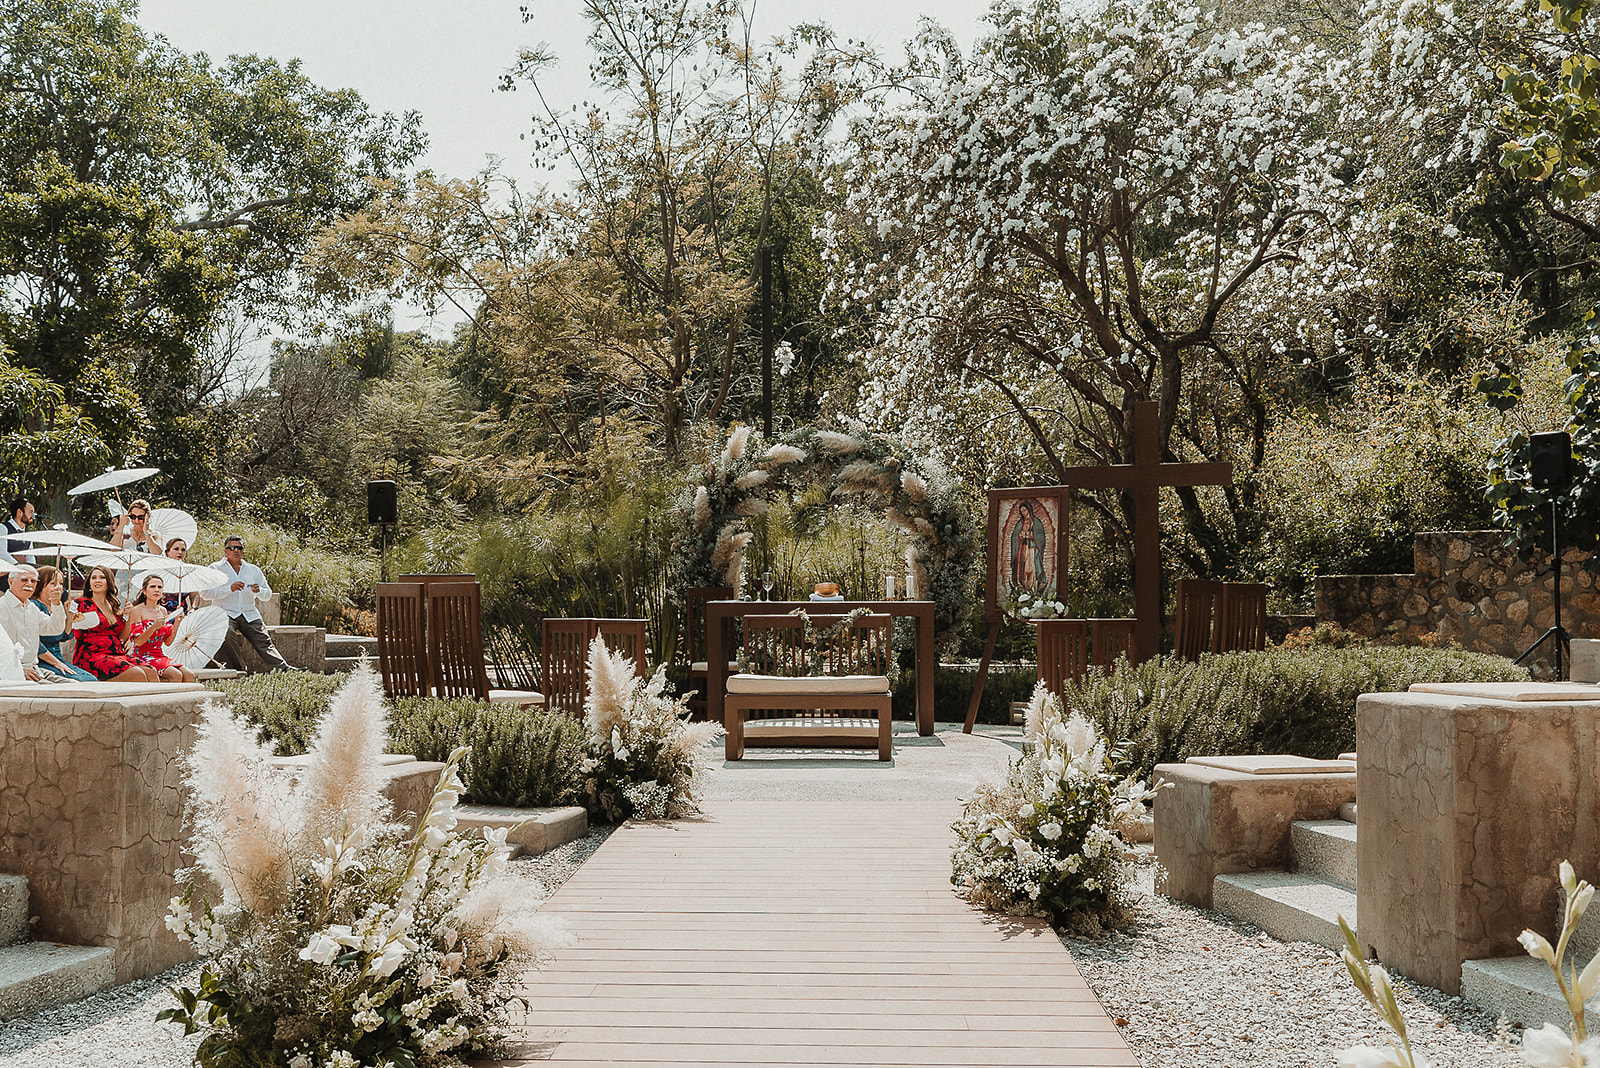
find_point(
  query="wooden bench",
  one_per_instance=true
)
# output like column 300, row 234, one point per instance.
column 777, row 702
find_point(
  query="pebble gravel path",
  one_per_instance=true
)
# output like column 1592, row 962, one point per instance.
column 117, row 1028
column 1193, row 989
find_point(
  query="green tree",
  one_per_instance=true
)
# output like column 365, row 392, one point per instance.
column 141, row 188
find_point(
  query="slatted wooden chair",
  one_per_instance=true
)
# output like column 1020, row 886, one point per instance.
column 1063, row 652
column 1110, row 639
column 455, row 646
column 784, row 705
column 630, row 637
column 694, row 604
column 1196, row 617
column 1241, row 617
column 402, row 640
column 564, row 663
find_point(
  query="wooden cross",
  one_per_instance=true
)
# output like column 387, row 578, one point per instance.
column 1145, row 477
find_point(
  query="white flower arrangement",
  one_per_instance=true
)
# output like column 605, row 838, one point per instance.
column 1042, row 842
column 1026, row 604
column 341, row 938
column 644, row 756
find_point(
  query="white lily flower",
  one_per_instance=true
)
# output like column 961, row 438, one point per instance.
column 1551, row 1047
column 321, row 949
column 1538, row 946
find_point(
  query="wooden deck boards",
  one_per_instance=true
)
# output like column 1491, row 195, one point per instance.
column 801, row 934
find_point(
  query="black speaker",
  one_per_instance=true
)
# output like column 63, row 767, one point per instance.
column 1550, row 460
column 383, row 502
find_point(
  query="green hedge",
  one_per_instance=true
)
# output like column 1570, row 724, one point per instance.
column 1300, row 701
column 523, row 759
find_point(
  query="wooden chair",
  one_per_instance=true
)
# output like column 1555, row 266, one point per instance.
column 1241, row 617
column 455, row 646
column 1196, row 617
column 564, row 663
column 694, row 605
column 402, row 640
column 1110, row 639
column 784, row 705
column 630, row 637
column 1063, row 652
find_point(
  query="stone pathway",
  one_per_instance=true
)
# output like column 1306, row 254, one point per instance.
column 808, row 932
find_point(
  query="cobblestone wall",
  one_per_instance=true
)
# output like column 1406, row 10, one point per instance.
column 1469, row 589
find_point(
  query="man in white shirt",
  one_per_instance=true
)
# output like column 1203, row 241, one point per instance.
column 248, row 587
column 23, row 622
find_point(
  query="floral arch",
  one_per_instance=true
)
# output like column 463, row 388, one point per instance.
column 712, row 518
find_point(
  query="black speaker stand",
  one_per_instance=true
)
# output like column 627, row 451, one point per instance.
column 1563, row 641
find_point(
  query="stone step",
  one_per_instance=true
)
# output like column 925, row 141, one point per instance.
column 13, row 909
column 1347, row 811
column 40, row 975
column 1286, row 905
column 1521, row 989
column 352, row 645
column 1326, row 849
column 528, row 830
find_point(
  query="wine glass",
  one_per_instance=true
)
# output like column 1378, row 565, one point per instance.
column 766, row 584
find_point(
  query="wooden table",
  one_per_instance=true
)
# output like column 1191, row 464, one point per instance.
column 717, row 656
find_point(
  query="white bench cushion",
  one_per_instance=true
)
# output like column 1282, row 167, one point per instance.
column 516, row 697
column 808, row 684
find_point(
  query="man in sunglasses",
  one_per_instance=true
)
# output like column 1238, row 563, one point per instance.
column 239, row 597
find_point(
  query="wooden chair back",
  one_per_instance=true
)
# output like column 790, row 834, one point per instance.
column 777, row 645
column 694, row 604
column 455, row 640
column 429, row 580
column 564, row 663
column 1110, row 639
column 1196, row 617
column 1241, row 617
column 630, row 637
column 402, row 640
column 1063, row 652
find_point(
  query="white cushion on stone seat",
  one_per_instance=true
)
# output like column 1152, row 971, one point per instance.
column 808, row 684
column 516, row 697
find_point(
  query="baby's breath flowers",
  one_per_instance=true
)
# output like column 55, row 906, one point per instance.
column 1041, row 842
column 380, row 945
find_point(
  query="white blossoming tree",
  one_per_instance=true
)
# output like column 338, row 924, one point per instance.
column 1072, row 221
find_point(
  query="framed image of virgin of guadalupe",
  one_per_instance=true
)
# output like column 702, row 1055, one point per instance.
column 1027, row 545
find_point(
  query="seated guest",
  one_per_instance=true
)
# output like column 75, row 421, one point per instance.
column 47, row 599
column 102, row 630
column 133, row 532
column 149, row 626
column 177, row 549
column 246, row 587
column 22, row 622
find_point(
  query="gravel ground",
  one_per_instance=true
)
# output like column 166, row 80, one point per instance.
column 1193, row 989
column 117, row 1028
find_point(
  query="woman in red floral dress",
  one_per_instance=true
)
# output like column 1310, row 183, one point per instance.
column 149, row 629
column 100, row 634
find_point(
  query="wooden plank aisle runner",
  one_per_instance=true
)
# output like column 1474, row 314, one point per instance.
column 818, row 933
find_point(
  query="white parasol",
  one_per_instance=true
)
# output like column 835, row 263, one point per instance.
column 198, row 637
column 180, row 576
column 173, row 523
column 120, row 559
column 113, row 479
column 63, row 537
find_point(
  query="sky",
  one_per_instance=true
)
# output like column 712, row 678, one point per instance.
column 444, row 59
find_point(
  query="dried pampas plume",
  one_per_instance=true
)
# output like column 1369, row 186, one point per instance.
column 750, row 480
column 341, row 789
column 1038, row 709
column 923, row 527
column 735, row 447
column 863, row 475
column 702, row 509
column 914, row 486
column 736, row 564
column 725, row 546
column 836, row 443
column 754, row 506
column 785, row 454
column 610, row 682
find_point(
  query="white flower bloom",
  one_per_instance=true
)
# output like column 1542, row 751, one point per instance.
column 1051, row 830
column 1551, row 1047
column 321, row 949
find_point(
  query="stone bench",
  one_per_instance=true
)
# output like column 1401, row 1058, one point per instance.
column 1221, row 815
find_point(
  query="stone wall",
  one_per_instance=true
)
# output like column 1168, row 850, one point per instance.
column 91, row 811
column 1467, row 588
